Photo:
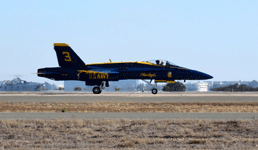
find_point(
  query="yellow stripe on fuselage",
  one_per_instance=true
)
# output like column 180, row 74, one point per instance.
column 90, row 71
column 160, row 81
column 132, row 62
column 164, row 81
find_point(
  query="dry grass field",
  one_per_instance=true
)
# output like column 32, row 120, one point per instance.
column 116, row 134
column 211, row 107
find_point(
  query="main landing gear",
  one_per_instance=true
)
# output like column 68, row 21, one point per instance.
column 98, row 89
column 154, row 90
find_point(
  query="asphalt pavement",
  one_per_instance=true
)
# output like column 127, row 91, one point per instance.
column 129, row 97
column 152, row 116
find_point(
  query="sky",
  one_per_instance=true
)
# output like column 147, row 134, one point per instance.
column 217, row 37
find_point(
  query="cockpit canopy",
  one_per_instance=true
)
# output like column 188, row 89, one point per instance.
column 161, row 62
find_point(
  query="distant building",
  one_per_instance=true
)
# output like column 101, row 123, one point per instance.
column 191, row 86
column 216, row 84
column 253, row 84
column 21, row 85
column 201, row 86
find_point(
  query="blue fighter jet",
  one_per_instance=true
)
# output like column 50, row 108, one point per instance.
column 71, row 67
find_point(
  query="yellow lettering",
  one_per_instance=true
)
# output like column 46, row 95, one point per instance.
column 67, row 56
column 94, row 75
column 148, row 75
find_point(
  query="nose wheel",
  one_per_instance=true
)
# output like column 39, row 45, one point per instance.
column 96, row 90
column 154, row 91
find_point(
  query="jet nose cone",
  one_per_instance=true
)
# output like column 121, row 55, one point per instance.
column 202, row 76
column 209, row 76
column 206, row 76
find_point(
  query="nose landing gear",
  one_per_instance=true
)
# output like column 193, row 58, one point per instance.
column 154, row 90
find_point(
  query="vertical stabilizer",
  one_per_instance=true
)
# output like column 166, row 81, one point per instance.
column 66, row 57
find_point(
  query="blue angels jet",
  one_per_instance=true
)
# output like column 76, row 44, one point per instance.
column 71, row 67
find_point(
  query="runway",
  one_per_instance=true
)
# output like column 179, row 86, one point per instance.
column 128, row 97
column 151, row 116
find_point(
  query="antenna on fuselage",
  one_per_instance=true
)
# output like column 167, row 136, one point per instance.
column 110, row 60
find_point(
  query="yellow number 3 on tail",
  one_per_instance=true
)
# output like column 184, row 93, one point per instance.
column 67, row 56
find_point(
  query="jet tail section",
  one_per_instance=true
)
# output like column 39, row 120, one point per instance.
column 66, row 57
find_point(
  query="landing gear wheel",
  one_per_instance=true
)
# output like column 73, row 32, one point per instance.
column 96, row 90
column 154, row 91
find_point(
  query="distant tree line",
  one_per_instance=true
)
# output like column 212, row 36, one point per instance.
column 235, row 88
column 177, row 86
